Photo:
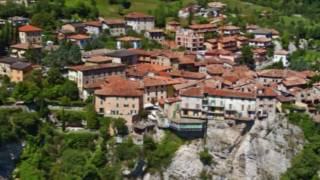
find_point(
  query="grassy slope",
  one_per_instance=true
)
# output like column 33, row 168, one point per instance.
column 111, row 11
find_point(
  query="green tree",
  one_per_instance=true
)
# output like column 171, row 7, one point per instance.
column 203, row 3
column 206, row 157
column 247, row 57
column 160, row 15
column 91, row 117
column 66, row 54
column 120, row 126
column 54, row 76
column 45, row 20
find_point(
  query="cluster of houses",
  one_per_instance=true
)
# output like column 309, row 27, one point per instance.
column 202, row 84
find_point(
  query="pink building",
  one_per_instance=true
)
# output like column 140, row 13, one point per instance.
column 189, row 39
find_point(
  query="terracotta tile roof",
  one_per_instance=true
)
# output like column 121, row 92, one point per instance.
column 218, row 52
column 93, row 23
column 29, row 28
column 99, row 59
column 187, row 74
column 309, row 74
column 172, row 100
column 230, row 27
column 202, row 26
column 169, row 44
column 140, row 52
column 227, row 39
column 228, row 93
column 129, row 38
column 159, row 81
column 230, row 79
column 266, row 92
column 118, row 86
column 79, row 37
column 216, row 69
column 137, row 15
column 278, row 73
column 96, row 67
column 294, row 81
column 94, row 85
column 114, row 21
column 26, row 46
column 169, row 54
column 259, row 51
column 187, row 59
column 192, row 92
column 141, row 70
column 208, row 61
column 241, row 38
column 261, row 40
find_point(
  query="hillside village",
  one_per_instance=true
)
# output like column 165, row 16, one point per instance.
column 187, row 77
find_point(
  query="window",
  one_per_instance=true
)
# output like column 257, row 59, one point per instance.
column 117, row 105
column 242, row 107
column 133, row 105
column 187, row 105
column 230, row 106
column 101, row 110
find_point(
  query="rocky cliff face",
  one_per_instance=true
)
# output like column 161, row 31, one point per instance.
column 262, row 152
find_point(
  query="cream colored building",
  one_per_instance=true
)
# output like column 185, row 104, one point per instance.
column 30, row 34
column 115, row 100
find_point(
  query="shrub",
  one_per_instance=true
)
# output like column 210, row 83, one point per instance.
column 206, row 157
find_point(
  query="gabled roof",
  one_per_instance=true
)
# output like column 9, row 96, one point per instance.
column 118, row 86
column 29, row 28
column 129, row 38
column 79, row 37
column 228, row 93
column 93, row 23
column 26, row 46
column 96, row 67
column 114, row 21
column 192, row 92
column 142, row 69
column 187, row 74
column 159, row 81
column 22, row 66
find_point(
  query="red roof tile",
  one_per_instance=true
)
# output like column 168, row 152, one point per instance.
column 118, row 86
column 192, row 92
column 187, row 74
column 79, row 37
column 94, row 23
column 228, row 93
column 29, row 28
